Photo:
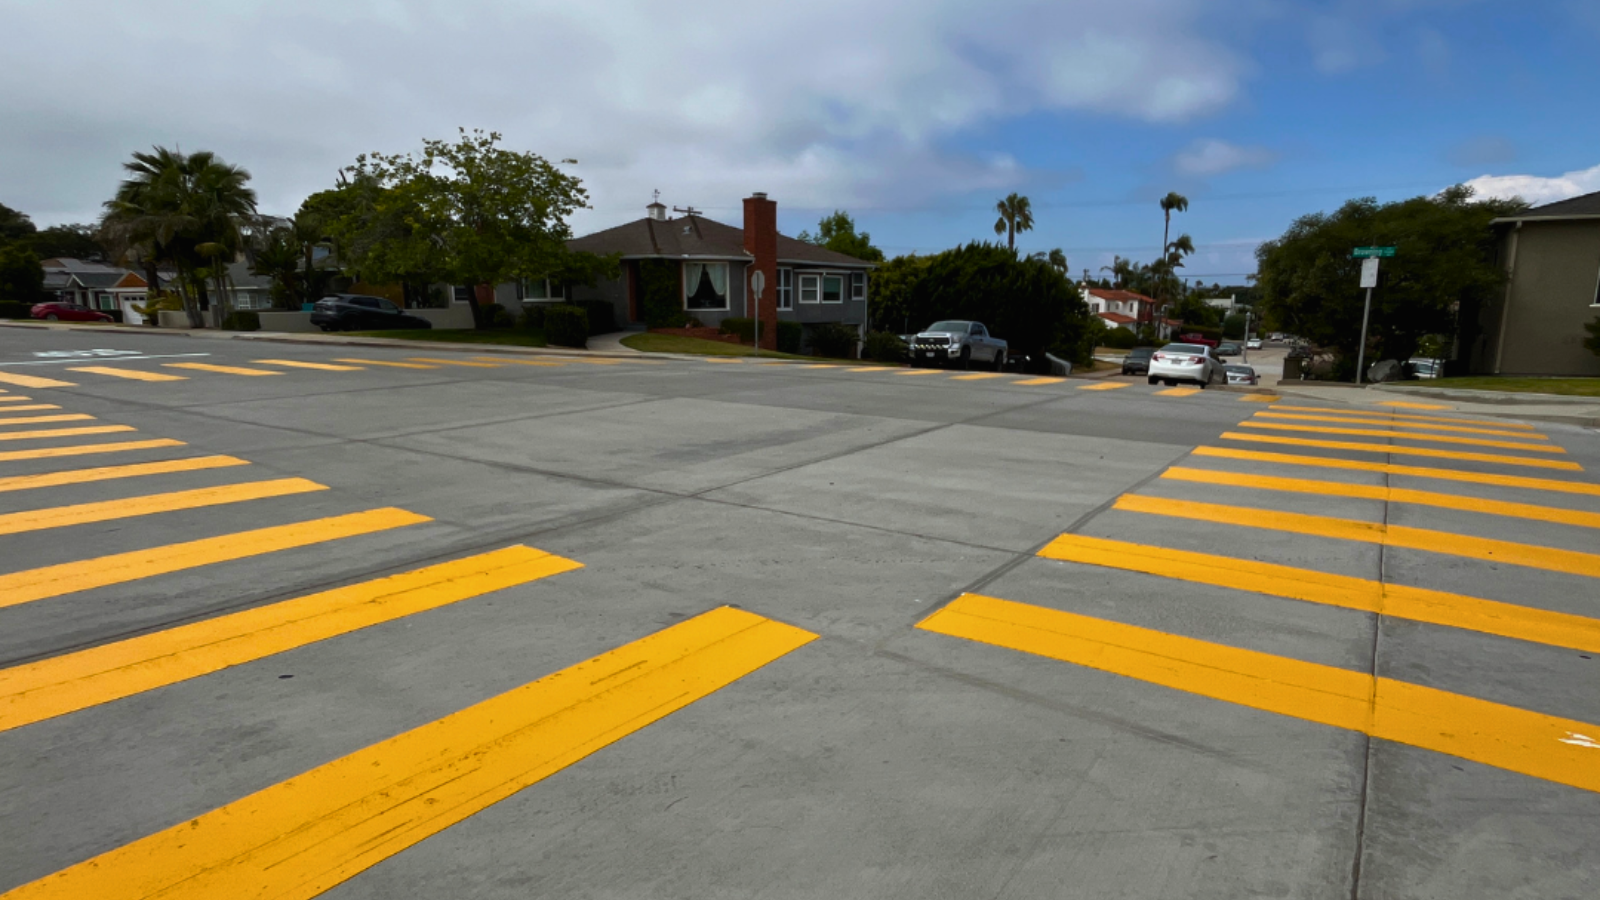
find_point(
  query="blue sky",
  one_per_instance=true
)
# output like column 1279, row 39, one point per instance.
column 914, row 115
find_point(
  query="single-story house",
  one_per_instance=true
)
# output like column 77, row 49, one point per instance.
column 1137, row 308
column 714, row 265
column 98, row 286
column 1551, row 256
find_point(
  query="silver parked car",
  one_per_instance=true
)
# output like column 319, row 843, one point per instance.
column 959, row 343
column 1194, row 363
column 1242, row 374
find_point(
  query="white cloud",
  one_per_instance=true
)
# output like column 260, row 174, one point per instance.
column 1538, row 189
column 820, row 104
column 1208, row 156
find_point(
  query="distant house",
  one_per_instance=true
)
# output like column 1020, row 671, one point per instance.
column 110, row 289
column 714, row 264
column 1119, row 320
column 1551, row 256
column 1141, row 310
column 1226, row 304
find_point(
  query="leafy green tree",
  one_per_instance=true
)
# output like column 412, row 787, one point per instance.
column 181, row 210
column 488, row 214
column 68, row 241
column 1016, row 215
column 1193, row 310
column 1233, row 326
column 1444, row 265
column 14, row 225
column 21, row 277
column 1031, row 304
column 889, row 292
column 838, row 233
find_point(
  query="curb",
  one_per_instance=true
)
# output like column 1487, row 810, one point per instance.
column 1502, row 398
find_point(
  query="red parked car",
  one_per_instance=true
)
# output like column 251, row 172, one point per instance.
column 68, row 312
column 1202, row 340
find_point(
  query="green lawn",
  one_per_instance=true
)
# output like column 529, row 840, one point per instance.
column 673, row 343
column 1576, row 387
column 511, row 337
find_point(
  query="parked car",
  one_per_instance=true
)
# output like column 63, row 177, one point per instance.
column 1193, row 338
column 358, row 312
column 1240, row 374
column 1137, row 362
column 68, row 312
column 1253, row 344
column 960, row 342
column 1185, row 362
column 1228, row 348
column 1426, row 368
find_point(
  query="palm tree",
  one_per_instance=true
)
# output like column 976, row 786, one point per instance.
column 172, row 205
column 1016, row 215
column 1172, row 202
column 1056, row 258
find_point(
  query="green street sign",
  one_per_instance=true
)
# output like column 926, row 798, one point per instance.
column 1372, row 252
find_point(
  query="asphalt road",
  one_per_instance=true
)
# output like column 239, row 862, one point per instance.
column 299, row 621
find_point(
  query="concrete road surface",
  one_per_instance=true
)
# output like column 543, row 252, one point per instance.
column 294, row 621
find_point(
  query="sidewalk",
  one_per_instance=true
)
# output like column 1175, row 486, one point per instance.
column 1582, row 411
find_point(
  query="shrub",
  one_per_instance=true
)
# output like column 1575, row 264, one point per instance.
column 1119, row 339
column 242, row 320
column 15, row 309
column 495, row 316
column 742, row 328
column 533, row 317
column 790, row 335
column 884, row 347
column 566, row 325
column 602, row 315
column 836, row 341
column 660, row 294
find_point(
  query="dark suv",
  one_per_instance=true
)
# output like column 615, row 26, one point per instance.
column 358, row 312
column 1137, row 362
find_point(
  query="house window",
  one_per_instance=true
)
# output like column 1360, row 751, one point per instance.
column 833, row 289
column 104, row 301
column 461, row 293
column 858, row 286
column 786, row 289
column 810, row 289
column 705, row 286
column 538, row 290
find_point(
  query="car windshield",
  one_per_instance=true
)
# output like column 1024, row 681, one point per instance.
column 1241, row 370
column 1183, row 348
column 949, row 326
column 1141, row 352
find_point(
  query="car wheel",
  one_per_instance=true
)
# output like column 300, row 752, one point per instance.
column 1152, row 379
column 1204, row 383
column 52, row 317
column 966, row 358
column 1000, row 361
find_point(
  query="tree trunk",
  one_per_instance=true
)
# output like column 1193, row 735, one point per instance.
column 477, row 310
column 190, row 307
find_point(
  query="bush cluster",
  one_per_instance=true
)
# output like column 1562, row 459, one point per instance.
column 495, row 316
column 790, row 336
column 242, row 320
column 834, row 341
column 1119, row 339
column 566, row 325
column 533, row 317
column 602, row 315
column 15, row 309
column 741, row 327
column 885, row 347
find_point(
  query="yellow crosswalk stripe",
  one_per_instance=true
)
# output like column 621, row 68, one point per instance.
column 129, row 374
column 722, row 359
column 1405, row 405
column 871, row 369
column 32, row 381
column 300, row 364
column 978, row 376
column 454, row 362
column 1260, row 398
column 301, row 837
column 1033, row 381
column 1354, row 465
column 1396, row 450
column 131, row 507
column 1505, row 737
column 385, row 362
column 31, row 407
column 65, row 684
column 1178, row 392
column 108, row 473
column 821, row 366
column 40, row 420
column 1417, row 604
column 86, row 449
column 913, row 371
column 520, row 362
column 1105, row 386
column 63, row 432
column 222, row 370
column 1359, row 413
column 13, row 398
column 1386, row 495
column 1452, row 429
column 1375, row 432
column 69, row 578
column 1443, row 542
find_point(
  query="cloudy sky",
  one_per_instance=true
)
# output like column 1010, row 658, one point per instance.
column 914, row 115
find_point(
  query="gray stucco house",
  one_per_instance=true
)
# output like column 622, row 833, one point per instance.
column 1551, row 256
column 714, row 262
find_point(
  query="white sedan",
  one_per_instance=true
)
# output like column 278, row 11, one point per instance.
column 1253, row 344
column 1185, row 362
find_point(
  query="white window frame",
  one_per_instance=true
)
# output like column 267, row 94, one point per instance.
column 550, row 294
column 1596, row 302
column 823, row 294
column 727, row 296
column 455, row 292
column 816, row 287
column 858, row 285
column 785, row 290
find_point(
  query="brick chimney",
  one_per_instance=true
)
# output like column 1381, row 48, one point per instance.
column 761, row 241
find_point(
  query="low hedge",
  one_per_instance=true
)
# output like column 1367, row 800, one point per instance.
column 885, row 347
column 790, row 336
column 15, row 309
column 602, row 315
column 495, row 316
column 242, row 320
column 834, row 341
column 566, row 325
column 533, row 317
column 741, row 327
column 1120, row 339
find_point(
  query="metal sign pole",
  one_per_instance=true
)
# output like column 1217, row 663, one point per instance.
column 1361, row 350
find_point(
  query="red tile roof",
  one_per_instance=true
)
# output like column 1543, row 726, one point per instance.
column 1106, row 294
column 1115, row 318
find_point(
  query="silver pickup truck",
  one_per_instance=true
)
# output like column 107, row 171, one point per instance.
column 959, row 343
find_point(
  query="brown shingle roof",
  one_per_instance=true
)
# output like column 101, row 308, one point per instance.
column 1107, row 294
column 1584, row 206
column 696, row 236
